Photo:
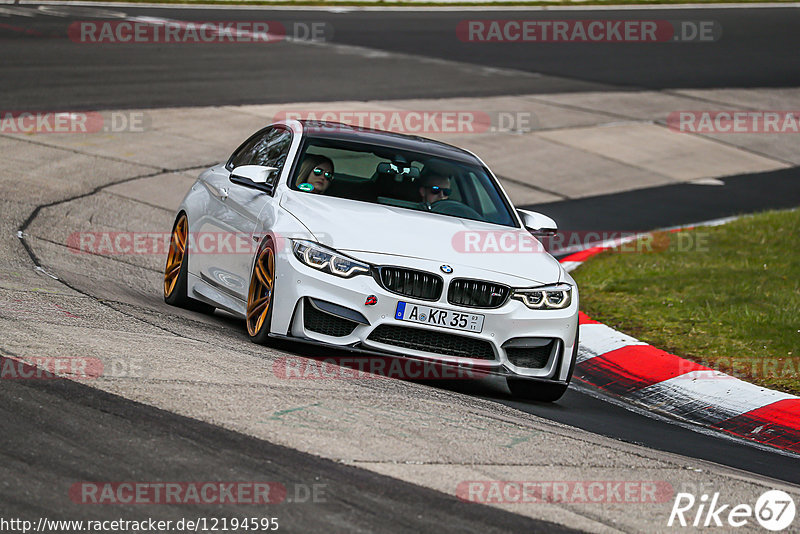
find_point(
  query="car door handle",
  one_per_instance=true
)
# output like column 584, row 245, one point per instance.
column 220, row 192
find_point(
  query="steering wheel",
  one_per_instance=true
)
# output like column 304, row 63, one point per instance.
column 449, row 206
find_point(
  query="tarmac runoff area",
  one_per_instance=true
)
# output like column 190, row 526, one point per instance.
column 110, row 307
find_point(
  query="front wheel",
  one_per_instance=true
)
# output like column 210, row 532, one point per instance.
column 542, row 391
column 260, row 295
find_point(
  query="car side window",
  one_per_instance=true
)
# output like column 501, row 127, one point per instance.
column 242, row 154
column 487, row 207
column 270, row 149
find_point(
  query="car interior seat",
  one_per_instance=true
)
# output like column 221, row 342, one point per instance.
column 396, row 186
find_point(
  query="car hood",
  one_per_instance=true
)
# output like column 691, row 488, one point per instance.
column 352, row 226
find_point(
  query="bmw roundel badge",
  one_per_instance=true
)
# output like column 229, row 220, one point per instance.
column 446, row 269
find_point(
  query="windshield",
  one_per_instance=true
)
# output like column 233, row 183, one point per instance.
column 393, row 177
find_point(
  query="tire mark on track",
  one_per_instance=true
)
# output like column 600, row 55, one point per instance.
column 35, row 213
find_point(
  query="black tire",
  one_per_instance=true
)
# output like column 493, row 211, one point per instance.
column 176, row 294
column 523, row 388
column 259, row 331
column 574, row 353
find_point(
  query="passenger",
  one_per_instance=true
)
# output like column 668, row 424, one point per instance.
column 316, row 171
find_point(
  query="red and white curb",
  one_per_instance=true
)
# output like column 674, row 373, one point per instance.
column 627, row 368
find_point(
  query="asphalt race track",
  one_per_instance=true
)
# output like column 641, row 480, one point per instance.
column 50, row 71
column 741, row 194
column 106, row 437
column 53, row 433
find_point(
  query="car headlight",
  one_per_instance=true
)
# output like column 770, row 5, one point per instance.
column 328, row 260
column 552, row 297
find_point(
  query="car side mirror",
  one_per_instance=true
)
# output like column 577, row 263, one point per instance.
column 250, row 175
column 537, row 223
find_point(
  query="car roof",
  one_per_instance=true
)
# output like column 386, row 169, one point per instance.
column 316, row 129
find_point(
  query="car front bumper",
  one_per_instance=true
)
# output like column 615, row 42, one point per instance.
column 299, row 286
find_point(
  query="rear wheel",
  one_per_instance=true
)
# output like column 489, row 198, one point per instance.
column 176, row 271
column 260, row 294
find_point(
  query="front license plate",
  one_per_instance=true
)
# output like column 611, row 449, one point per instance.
column 471, row 322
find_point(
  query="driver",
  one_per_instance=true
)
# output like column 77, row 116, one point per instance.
column 433, row 188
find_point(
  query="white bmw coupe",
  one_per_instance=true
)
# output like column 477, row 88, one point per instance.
column 361, row 239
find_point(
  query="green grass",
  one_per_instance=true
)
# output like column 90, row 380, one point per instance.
column 727, row 297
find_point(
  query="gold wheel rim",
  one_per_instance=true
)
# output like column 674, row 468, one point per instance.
column 259, row 297
column 177, row 251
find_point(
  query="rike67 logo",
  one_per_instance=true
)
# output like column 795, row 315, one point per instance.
column 774, row 510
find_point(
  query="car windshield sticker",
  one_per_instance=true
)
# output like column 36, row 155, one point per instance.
column 305, row 187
